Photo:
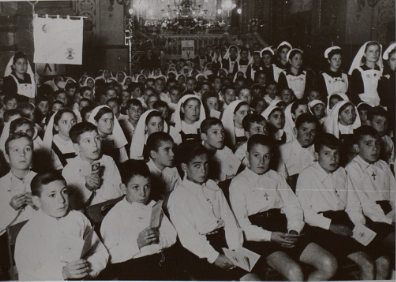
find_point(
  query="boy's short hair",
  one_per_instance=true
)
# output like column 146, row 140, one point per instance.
column 85, row 88
column 132, row 86
column 80, row 128
column 44, row 178
column 297, row 103
column 58, row 92
column 16, row 136
column 8, row 98
column 155, row 139
column 261, row 140
column 226, row 87
column 365, row 130
column 251, row 118
column 174, row 88
column 364, row 107
column 328, row 140
column 10, row 113
column 188, row 151
column 117, row 100
column 132, row 168
column 306, row 118
column 86, row 100
column 208, row 123
column 25, row 106
column 160, row 104
column 133, row 102
column 19, row 122
column 70, row 85
column 376, row 111
column 86, row 110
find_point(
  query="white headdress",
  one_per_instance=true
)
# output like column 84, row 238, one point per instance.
column 388, row 50
column 178, row 120
column 8, row 71
column 227, row 54
column 331, row 124
column 313, row 103
column 357, row 61
column 328, row 50
column 291, row 50
column 343, row 97
column 267, row 112
column 269, row 49
column 283, row 43
column 228, row 121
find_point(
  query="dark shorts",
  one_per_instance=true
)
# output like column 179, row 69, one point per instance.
column 273, row 220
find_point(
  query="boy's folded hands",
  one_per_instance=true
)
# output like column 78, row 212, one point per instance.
column 77, row 269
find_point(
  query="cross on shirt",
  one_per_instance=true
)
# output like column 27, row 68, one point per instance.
column 266, row 196
column 373, row 175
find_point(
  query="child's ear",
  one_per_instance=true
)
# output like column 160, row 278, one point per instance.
column 184, row 168
column 295, row 131
column 247, row 157
column 123, row 188
column 293, row 116
column 7, row 158
column 76, row 147
column 204, row 137
column 36, row 201
column 316, row 155
column 356, row 148
column 247, row 134
column 153, row 154
column 182, row 109
column 56, row 127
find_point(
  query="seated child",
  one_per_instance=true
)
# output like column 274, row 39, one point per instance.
column 377, row 118
column 47, row 244
column 287, row 96
column 175, row 94
column 229, row 95
column 10, row 102
column 211, row 102
column 271, row 217
column 332, row 209
column 252, row 124
column 203, row 220
column 318, row 109
column 161, row 164
column 42, row 109
column 375, row 184
column 23, row 125
column 271, row 90
column 313, row 94
column 163, row 108
column 188, row 117
column 275, row 118
column 363, row 109
column 258, row 105
column 292, row 112
column 342, row 121
column 137, row 250
column 298, row 154
column 27, row 110
column 60, row 95
column 222, row 161
column 244, row 94
column 334, row 99
column 9, row 116
column 56, row 106
column 87, row 93
column 115, row 105
column 232, row 120
column 92, row 177
column 134, row 110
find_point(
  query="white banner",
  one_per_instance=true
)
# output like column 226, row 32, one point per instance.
column 58, row 41
column 187, row 49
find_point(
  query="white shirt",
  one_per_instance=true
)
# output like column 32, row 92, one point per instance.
column 74, row 173
column 319, row 191
column 220, row 159
column 38, row 254
column 165, row 97
column 373, row 182
column 11, row 186
column 240, row 153
column 389, row 149
column 269, row 100
column 128, row 129
column 65, row 147
column 251, row 193
column 196, row 210
column 294, row 158
column 122, row 226
column 169, row 175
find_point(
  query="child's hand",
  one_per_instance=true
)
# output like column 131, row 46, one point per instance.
column 340, row 229
column 77, row 269
column 92, row 181
column 18, row 201
column 147, row 237
column 283, row 239
column 223, row 262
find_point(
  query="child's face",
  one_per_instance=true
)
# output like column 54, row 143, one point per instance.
column 229, row 96
column 205, row 88
column 106, row 123
column 65, row 123
column 155, row 124
column 363, row 117
column 62, row 97
column 296, row 61
column 151, row 100
column 11, row 104
column 137, row 92
column 240, row 83
column 256, row 58
column 175, row 96
column 287, row 96
column 138, row 189
column 89, row 146
column 369, row 148
column 56, row 107
column 217, row 84
column 25, row 129
column 191, row 110
column 114, row 107
column 261, row 79
column 83, row 104
column 181, row 79
column 372, row 53
column 258, row 128
column 43, row 107
column 245, row 95
column 159, row 86
column 77, row 97
column 272, row 90
column 267, row 59
column 54, row 199
column 134, row 112
column 277, row 119
column 261, row 106
column 392, row 62
column 87, row 115
column 197, row 169
column 244, row 54
column 20, row 153
column 380, row 124
column 29, row 114
column 283, row 53
column 240, row 114
column 125, row 96
column 214, row 136
column 328, row 158
column 301, row 109
column 313, row 95
column 212, row 103
column 335, row 61
column 259, row 158
column 319, row 111
column 150, row 83
column 334, row 101
column 190, row 84
column 88, row 95
column 164, row 156
column 71, row 91
column 91, row 83
column 306, row 134
column 347, row 116
column 164, row 112
column 111, row 93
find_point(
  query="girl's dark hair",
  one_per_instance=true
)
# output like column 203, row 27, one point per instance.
column 101, row 112
column 18, row 56
column 188, row 151
column 242, row 103
column 86, row 110
column 371, row 43
column 297, row 103
column 346, row 105
column 60, row 113
column 152, row 114
column 293, row 53
column 334, row 52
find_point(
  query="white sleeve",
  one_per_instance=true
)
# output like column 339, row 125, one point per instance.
column 110, row 188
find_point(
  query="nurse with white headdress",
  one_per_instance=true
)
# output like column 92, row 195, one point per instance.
column 19, row 78
column 230, row 58
column 283, row 48
column 366, row 71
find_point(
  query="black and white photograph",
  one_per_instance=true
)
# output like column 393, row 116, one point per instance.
column 197, row 140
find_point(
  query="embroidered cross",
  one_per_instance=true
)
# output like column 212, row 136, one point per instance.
column 266, row 196
column 373, row 175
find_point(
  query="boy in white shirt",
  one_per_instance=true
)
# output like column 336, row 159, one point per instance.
column 332, row 210
column 50, row 245
column 203, row 220
column 272, row 219
column 252, row 124
column 134, row 110
column 92, row 177
column 375, row 184
column 223, row 163
column 137, row 250
column 15, row 195
column 299, row 153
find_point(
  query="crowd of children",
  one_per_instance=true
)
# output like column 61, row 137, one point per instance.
column 238, row 148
